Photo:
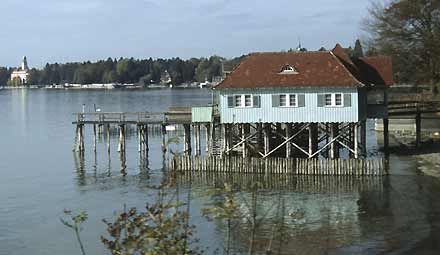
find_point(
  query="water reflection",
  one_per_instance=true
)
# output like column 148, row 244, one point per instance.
column 303, row 214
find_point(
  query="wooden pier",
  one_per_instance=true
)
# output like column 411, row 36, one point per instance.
column 142, row 121
column 413, row 109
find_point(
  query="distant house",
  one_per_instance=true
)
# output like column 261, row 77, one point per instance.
column 21, row 75
column 304, row 87
column 165, row 78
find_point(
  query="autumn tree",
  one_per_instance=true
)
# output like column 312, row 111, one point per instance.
column 409, row 31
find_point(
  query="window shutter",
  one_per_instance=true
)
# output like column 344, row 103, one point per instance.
column 275, row 100
column 301, row 100
column 347, row 100
column 257, row 103
column 321, row 100
column 230, row 102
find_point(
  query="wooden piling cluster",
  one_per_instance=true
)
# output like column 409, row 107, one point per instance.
column 293, row 166
column 297, row 183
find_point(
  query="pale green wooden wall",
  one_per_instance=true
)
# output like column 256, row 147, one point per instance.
column 309, row 113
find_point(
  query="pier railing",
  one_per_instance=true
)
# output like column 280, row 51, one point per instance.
column 293, row 166
column 119, row 117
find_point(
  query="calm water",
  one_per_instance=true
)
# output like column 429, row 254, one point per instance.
column 40, row 176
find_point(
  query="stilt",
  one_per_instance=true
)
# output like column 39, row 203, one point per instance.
column 385, row 134
column 267, row 135
column 418, row 128
column 164, row 138
column 260, row 142
column 288, row 135
column 121, row 146
column 212, row 139
column 355, row 136
column 245, row 130
column 81, row 138
column 187, row 138
column 108, row 138
column 146, row 145
column 94, row 138
column 75, row 143
column 313, row 138
column 139, row 134
column 334, row 148
column 197, row 139
column 364, row 137
column 225, row 138
column 207, row 138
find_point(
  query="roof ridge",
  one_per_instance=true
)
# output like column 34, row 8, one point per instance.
column 346, row 69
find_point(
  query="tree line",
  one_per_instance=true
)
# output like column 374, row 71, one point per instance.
column 127, row 70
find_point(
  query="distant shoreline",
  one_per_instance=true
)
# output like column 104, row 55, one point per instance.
column 99, row 87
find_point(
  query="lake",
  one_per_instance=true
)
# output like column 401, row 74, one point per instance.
column 41, row 176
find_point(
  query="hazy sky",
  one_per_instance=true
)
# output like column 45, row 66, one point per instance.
column 78, row 30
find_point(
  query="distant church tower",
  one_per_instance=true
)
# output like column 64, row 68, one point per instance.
column 24, row 64
column 21, row 75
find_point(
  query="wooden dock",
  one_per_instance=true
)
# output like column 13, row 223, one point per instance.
column 101, row 121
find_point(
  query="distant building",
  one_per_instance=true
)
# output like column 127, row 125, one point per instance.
column 21, row 75
column 165, row 78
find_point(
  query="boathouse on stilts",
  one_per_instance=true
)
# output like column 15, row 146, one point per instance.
column 300, row 104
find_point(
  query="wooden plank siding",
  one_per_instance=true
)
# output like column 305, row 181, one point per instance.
column 309, row 112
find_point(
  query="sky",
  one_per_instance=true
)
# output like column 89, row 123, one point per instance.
column 80, row 30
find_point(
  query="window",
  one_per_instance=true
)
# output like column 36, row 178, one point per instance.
column 243, row 101
column 332, row 100
column 237, row 101
column 288, row 100
column 283, row 101
column 292, row 100
column 247, row 101
column 328, row 99
column 288, row 69
column 338, row 99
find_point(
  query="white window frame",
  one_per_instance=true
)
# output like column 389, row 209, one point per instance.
column 243, row 101
column 333, row 100
column 288, row 105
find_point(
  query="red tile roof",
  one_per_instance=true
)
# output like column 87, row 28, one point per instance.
column 376, row 70
column 315, row 69
column 369, row 70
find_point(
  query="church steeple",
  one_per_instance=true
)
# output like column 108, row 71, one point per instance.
column 24, row 65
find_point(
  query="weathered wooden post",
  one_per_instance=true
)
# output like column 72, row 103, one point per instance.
column 288, row 135
column 225, row 139
column 260, row 135
column 212, row 139
column 164, row 138
column 146, row 145
column 267, row 136
column 356, row 145
column 94, row 137
column 334, row 149
column 121, row 146
column 313, row 138
column 418, row 126
column 207, row 138
column 108, row 138
column 197, row 139
column 187, row 139
column 385, row 134
column 244, row 134
column 364, row 137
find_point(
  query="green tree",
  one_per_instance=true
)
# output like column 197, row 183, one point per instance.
column 358, row 52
